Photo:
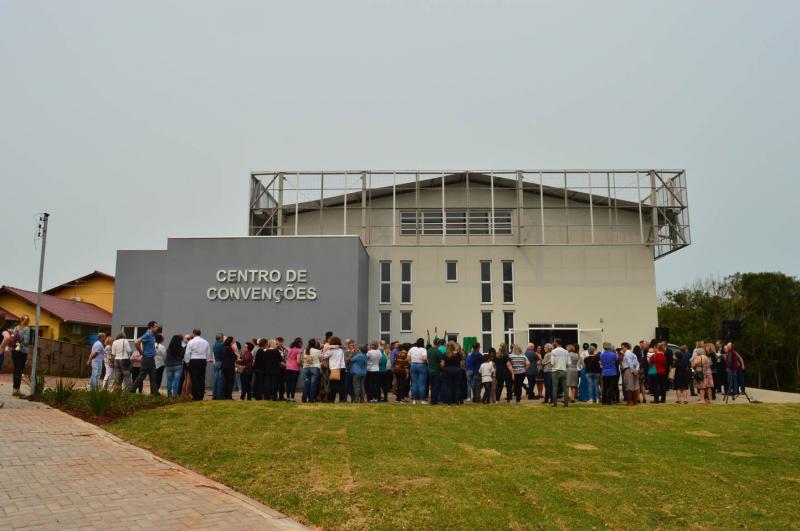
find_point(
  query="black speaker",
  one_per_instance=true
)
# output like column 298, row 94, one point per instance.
column 662, row 334
column 731, row 330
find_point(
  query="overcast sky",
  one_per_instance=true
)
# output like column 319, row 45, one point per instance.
column 134, row 121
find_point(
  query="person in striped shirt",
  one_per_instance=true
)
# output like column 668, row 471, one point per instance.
column 518, row 364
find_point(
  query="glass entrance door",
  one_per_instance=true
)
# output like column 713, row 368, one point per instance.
column 541, row 333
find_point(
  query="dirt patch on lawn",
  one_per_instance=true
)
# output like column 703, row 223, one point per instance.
column 702, row 433
column 738, row 454
column 414, row 482
column 488, row 452
column 585, row 447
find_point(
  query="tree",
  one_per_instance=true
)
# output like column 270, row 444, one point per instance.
column 767, row 304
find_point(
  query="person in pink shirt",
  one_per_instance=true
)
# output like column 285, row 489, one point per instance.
column 293, row 356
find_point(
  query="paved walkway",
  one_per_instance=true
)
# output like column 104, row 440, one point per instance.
column 58, row 472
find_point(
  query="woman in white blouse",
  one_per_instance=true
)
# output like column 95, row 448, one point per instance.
column 311, row 371
column 418, row 358
column 335, row 356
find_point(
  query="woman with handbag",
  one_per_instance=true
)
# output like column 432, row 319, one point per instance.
column 703, row 377
column 335, row 356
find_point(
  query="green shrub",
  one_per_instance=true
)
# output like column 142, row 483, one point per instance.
column 39, row 383
column 100, row 401
column 60, row 393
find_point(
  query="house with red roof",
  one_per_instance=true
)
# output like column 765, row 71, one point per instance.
column 71, row 319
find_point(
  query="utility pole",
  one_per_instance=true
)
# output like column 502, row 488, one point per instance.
column 42, row 233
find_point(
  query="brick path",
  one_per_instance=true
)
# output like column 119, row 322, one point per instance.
column 58, row 472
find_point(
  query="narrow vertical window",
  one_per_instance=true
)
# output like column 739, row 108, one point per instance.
column 385, row 326
column 508, row 281
column 405, row 321
column 486, row 331
column 405, row 282
column 451, row 271
column 508, row 328
column 386, row 282
column 486, row 282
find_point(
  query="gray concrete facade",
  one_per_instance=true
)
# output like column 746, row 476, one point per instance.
column 247, row 286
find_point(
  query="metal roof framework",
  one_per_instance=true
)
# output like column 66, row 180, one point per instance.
column 657, row 198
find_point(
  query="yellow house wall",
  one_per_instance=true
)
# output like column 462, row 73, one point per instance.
column 49, row 325
column 97, row 291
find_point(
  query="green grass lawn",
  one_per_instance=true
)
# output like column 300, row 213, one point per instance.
column 480, row 467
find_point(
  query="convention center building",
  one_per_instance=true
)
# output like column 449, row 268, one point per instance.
column 514, row 256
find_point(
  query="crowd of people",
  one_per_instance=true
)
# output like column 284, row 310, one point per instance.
column 333, row 369
column 438, row 372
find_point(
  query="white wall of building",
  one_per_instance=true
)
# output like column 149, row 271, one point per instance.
column 596, row 287
column 607, row 287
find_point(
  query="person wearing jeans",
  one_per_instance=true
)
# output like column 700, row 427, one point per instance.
column 418, row 358
column 592, row 365
column 19, row 356
column 146, row 345
column 96, row 357
column 219, row 381
column 435, row 371
column 311, row 371
column 174, row 375
column 173, row 361
column 293, row 355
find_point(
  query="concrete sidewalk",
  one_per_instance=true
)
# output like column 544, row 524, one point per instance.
column 58, row 472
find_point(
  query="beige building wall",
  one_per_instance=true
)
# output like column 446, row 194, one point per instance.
column 609, row 292
column 606, row 288
column 565, row 221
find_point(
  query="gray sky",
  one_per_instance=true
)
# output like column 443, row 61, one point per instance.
column 134, row 121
